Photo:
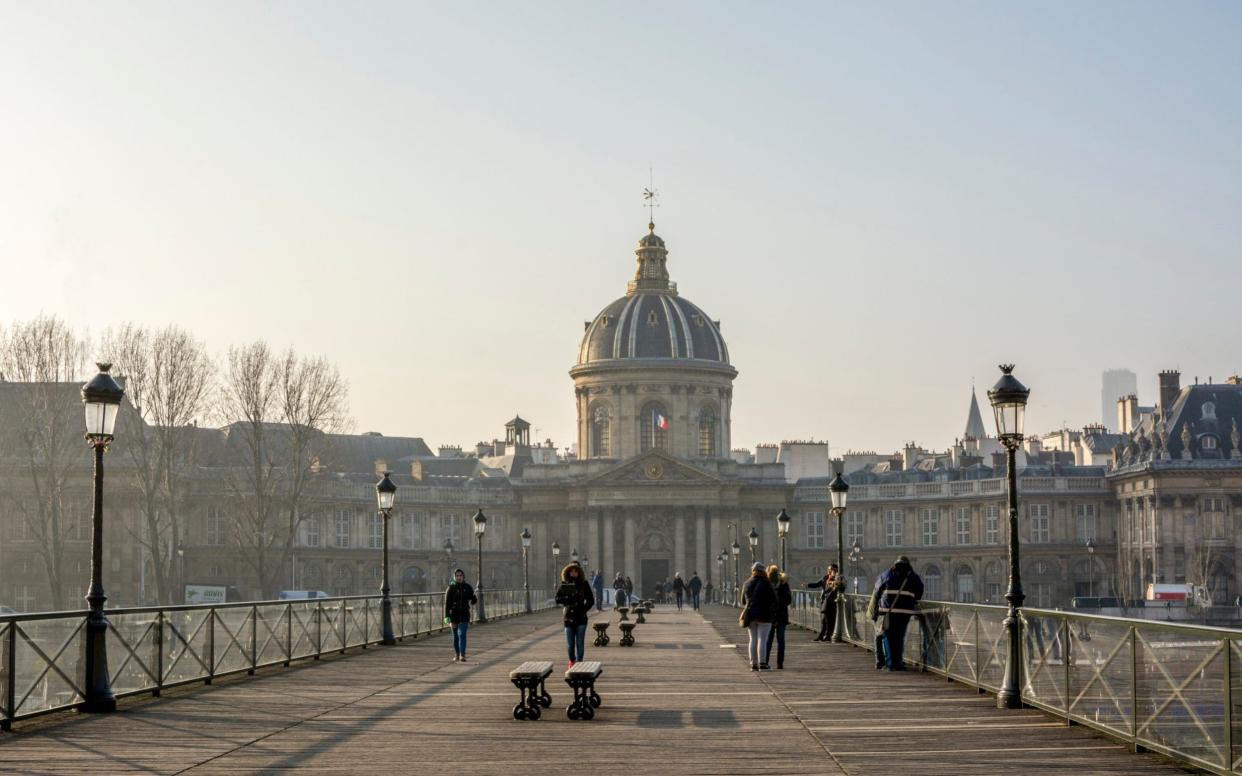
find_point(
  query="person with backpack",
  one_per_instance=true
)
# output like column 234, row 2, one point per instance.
column 896, row 599
column 758, row 612
column 696, row 586
column 679, row 589
column 457, row 601
column 576, row 598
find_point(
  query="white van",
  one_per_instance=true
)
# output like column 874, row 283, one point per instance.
column 299, row 595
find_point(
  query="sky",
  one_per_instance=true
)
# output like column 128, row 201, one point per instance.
column 879, row 202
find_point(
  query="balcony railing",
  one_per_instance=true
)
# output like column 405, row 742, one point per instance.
column 1169, row 688
column 959, row 488
column 152, row 648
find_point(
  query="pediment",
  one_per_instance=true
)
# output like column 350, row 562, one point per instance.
column 655, row 468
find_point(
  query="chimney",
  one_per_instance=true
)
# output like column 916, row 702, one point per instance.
column 1233, row 380
column 1170, row 387
column 1127, row 413
column 381, row 466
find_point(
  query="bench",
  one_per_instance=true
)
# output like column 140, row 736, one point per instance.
column 640, row 611
column 601, row 634
column 627, row 633
column 582, row 679
column 624, row 610
column 529, row 678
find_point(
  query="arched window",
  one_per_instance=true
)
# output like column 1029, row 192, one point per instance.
column 601, row 436
column 931, row 583
column 1209, row 411
column 653, row 427
column 707, row 433
column 991, row 583
column 965, row 585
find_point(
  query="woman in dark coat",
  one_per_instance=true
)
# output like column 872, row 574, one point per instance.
column 831, row 582
column 784, row 597
column 576, row 596
column 758, row 612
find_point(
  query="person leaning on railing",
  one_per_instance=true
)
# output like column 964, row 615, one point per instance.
column 831, row 583
column 896, row 597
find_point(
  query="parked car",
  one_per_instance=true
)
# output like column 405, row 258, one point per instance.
column 7, row 609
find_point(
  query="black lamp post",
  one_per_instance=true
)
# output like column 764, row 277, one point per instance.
column 448, row 558
column 526, row 566
column 1091, row 566
column 1008, row 398
column 782, row 530
column 480, row 527
column 573, row 555
column 556, row 562
column 838, row 490
column 102, row 397
column 721, row 582
column 385, row 497
column 856, row 556
column 753, row 539
column 737, row 570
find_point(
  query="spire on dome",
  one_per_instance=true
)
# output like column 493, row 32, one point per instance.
column 974, row 419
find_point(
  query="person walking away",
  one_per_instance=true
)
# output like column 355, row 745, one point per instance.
column 597, row 584
column 758, row 611
column 629, row 588
column 707, row 591
column 696, row 586
column 618, row 590
column 457, row 601
column 780, row 620
column 576, row 597
column 679, row 589
column 897, row 598
column 668, row 590
column 873, row 614
column 831, row 584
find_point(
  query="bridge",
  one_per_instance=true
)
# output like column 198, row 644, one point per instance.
column 682, row 700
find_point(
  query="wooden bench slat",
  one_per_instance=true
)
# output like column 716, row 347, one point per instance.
column 532, row 668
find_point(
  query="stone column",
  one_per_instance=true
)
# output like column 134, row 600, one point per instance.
column 700, row 544
column 609, row 557
column 593, row 534
column 575, row 539
column 630, row 570
column 679, row 546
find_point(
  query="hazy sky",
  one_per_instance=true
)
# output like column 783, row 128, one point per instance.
column 879, row 204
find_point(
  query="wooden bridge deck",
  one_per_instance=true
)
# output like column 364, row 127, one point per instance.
column 678, row 702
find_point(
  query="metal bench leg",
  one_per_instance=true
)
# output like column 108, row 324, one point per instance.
column 528, row 706
column 581, row 708
column 545, row 700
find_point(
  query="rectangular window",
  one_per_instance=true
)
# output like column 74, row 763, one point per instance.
column 1084, row 522
column 450, row 530
column 343, row 528
column 931, row 526
column 854, row 527
column 1042, row 595
column 312, row 530
column 965, row 588
column 413, row 525
column 991, row 525
column 894, row 527
column 215, row 527
column 814, row 530
column 1040, row 523
column 375, row 533
column 1213, row 504
column 963, row 526
column 497, row 532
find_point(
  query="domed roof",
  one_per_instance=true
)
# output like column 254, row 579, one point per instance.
column 651, row 321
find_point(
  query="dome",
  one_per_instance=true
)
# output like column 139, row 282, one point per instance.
column 652, row 325
column 652, row 321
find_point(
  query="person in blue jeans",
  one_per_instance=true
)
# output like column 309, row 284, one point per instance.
column 897, row 596
column 457, row 601
column 577, row 599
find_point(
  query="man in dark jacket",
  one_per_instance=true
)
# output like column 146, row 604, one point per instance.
column 831, row 583
column 896, row 597
column 597, row 584
column 457, row 601
column 679, row 589
column 696, row 586
column 575, row 595
column 618, row 590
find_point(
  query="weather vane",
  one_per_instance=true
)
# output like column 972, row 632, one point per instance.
column 650, row 197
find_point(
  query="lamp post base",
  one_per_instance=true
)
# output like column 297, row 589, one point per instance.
column 1010, row 694
column 386, row 635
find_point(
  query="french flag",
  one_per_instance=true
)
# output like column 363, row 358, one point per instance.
column 660, row 421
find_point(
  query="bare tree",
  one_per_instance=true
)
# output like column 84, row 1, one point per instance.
column 1201, row 568
column 43, row 361
column 168, row 378
column 279, row 410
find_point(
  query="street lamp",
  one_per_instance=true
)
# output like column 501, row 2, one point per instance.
column 448, row 558
column 838, row 490
column 856, row 556
column 102, row 398
column 1091, row 566
column 753, row 539
column 737, row 571
column 480, row 527
column 556, row 562
column 385, row 497
column 721, row 583
column 782, row 530
column 573, row 555
column 526, row 566
column 1008, row 398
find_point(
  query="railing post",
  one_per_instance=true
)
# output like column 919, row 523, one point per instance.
column 978, row 655
column 288, row 634
column 344, row 626
column 366, row 621
column 1067, row 646
column 254, row 639
column 10, row 672
column 1134, row 744
column 318, row 629
column 159, row 654
column 1228, row 662
column 211, row 645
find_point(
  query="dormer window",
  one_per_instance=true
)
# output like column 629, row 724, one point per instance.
column 1209, row 411
column 652, row 318
column 1207, row 443
column 605, row 321
column 698, row 320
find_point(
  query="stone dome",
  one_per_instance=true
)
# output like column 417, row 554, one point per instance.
column 652, row 321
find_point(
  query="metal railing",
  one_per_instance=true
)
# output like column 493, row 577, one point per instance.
column 156, row 647
column 1159, row 686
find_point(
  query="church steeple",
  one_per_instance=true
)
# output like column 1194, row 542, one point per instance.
column 974, row 420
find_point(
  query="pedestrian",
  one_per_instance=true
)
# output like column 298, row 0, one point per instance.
column 831, row 583
column 707, row 590
column 597, row 583
column 873, row 614
column 576, row 597
column 668, row 590
column 897, row 596
column 784, row 597
column 758, row 611
column 457, row 601
column 629, row 588
column 696, row 586
column 618, row 588
column 679, row 589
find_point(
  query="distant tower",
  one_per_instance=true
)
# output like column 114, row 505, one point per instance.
column 1116, row 383
column 974, row 420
